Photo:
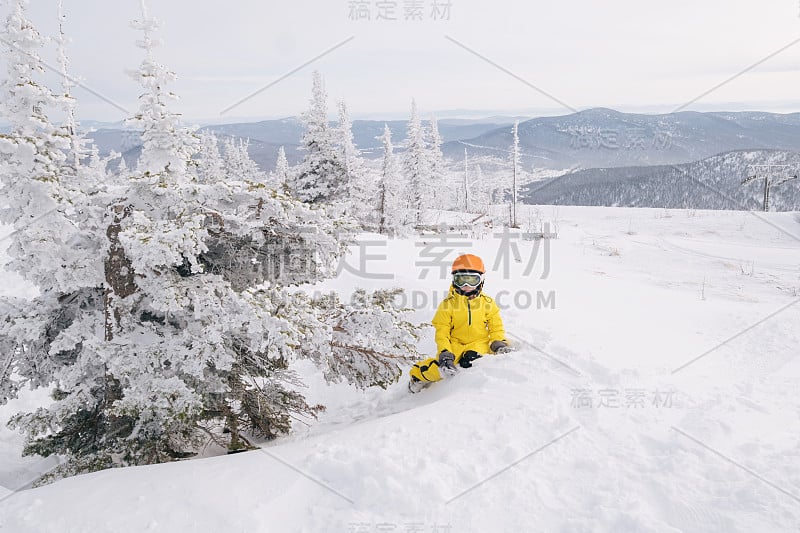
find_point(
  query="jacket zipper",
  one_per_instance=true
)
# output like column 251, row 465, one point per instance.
column 469, row 313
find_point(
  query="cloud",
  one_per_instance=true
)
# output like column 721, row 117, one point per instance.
column 583, row 52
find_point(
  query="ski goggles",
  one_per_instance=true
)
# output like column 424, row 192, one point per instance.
column 467, row 279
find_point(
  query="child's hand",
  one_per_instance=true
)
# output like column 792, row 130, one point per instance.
column 447, row 360
column 467, row 359
column 499, row 347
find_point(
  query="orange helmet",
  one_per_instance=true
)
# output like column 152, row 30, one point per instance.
column 469, row 262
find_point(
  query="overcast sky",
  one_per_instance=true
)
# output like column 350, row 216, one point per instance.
column 632, row 55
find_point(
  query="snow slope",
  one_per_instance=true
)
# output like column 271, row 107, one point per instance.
column 604, row 420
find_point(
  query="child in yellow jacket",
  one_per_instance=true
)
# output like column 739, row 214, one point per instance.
column 467, row 324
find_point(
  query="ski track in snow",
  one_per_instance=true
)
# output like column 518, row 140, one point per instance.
column 505, row 446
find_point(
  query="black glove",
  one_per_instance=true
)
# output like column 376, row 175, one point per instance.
column 446, row 360
column 500, row 347
column 468, row 357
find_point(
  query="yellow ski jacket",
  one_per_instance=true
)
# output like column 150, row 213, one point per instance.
column 467, row 324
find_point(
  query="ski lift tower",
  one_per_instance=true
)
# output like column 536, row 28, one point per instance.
column 767, row 172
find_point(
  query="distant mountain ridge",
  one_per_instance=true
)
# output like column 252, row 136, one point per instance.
column 711, row 183
column 588, row 139
column 607, row 138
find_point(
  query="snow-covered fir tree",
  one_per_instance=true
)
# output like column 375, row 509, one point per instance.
column 84, row 172
column 57, row 239
column 515, row 175
column 36, row 155
column 360, row 189
column 210, row 164
column 280, row 175
column 321, row 178
column 77, row 143
column 466, row 183
column 180, row 353
column 482, row 192
column 237, row 161
column 391, row 210
column 416, row 166
column 436, row 185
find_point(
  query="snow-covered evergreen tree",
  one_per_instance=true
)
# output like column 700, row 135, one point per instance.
column 436, row 185
column 183, row 313
column 84, row 171
column 37, row 170
column 481, row 192
column 391, row 211
column 237, row 162
column 321, row 177
column 57, row 239
column 281, row 176
column 360, row 191
column 210, row 164
column 30, row 157
column 416, row 166
column 77, row 148
column 466, row 183
column 250, row 167
column 515, row 164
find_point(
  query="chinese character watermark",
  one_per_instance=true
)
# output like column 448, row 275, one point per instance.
column 396, row 10
column 508, row 250
column 386, row 10
column 360, row 10
column 588, row 138
column 441, row 10
column 363, row 257
column 414, row 10
column 435, row 254
column 629, row 398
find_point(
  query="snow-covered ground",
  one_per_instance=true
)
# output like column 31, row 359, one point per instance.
column 655, row 389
